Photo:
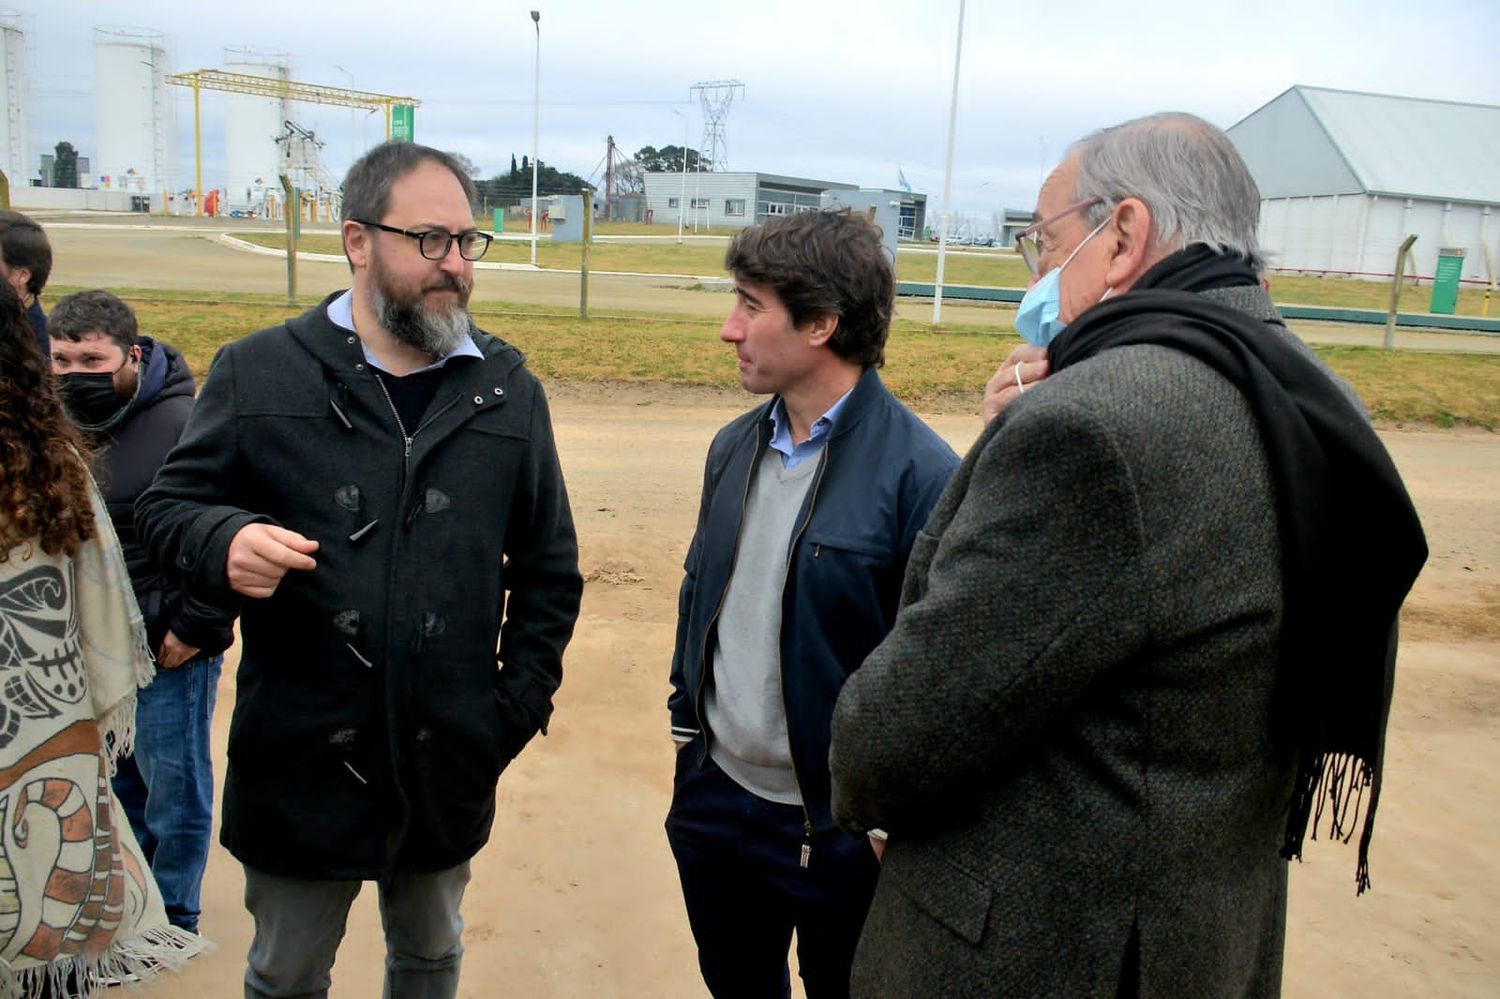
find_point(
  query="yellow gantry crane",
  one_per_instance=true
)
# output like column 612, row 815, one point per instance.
column 288, row 90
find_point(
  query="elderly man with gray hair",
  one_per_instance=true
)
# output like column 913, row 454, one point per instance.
column 1148, row 632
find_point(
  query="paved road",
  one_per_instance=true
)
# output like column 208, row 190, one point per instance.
column 187, row 255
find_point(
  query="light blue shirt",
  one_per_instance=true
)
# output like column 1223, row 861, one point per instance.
column 341, row 314
column 781, row 433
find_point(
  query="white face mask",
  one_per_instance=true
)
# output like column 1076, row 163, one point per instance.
column 1036, row 317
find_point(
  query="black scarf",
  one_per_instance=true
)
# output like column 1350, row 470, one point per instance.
column 1351, row 544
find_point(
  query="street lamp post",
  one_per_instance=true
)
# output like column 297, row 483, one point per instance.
column 937, row 289
column 536, row 130
column 682, row 194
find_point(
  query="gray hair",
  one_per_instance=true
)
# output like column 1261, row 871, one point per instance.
column 1193, row 181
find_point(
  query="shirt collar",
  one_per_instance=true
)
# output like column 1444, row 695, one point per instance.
column 341, row 314
column 781, row 432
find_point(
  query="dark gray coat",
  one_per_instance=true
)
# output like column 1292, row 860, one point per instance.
column 373, row 714
column 1070, row 734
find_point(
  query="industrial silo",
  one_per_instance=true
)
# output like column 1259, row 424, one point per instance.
column 133, row 110
column 14, row 157
column 251, row 125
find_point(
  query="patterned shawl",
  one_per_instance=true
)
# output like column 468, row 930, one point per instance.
column 77, row 900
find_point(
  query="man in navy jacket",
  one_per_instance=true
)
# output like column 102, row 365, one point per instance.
column 810, row 506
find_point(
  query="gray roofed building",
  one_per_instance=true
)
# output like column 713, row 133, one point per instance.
column 743, row 198
column 1345, row 176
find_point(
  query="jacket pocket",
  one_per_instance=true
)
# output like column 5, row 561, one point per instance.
column 873, row 548
column 952, row 896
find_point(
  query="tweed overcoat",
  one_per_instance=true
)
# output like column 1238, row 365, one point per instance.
column 1072, row 734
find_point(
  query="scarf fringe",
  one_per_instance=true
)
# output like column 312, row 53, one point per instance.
column 139, row 959
column 117, row 729
column 1335, row 784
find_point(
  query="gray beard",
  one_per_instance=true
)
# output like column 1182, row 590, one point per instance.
column 435, row 334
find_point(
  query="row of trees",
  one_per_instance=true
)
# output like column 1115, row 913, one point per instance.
column 668, row 159
column 515, row 185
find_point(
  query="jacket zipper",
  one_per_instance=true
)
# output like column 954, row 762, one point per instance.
column 719, row 608
column 406, row 439
column 812, row 503
column 805, row 855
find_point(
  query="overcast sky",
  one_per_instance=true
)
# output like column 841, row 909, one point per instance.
column 839, row 91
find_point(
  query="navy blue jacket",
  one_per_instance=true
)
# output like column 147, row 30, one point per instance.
column 879, row 475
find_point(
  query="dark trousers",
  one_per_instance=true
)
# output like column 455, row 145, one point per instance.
column 746, row 891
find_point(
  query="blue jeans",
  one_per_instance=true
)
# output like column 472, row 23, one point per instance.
column 299, row 924
column 167, row 786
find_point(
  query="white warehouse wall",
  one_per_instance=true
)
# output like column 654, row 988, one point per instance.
column 1359, row 234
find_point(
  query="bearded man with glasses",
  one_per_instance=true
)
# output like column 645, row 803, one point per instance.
column 374, row 488
column 1154, row 609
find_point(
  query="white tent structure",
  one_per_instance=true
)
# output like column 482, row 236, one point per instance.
column 1344, row 177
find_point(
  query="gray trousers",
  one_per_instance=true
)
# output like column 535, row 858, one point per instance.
column 300, row 922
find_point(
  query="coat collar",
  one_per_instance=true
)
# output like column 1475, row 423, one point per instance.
column 865, row 395
column 339, row 350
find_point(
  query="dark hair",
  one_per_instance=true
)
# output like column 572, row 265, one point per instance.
column 367, row 186
column 24, row 244
column 824, row 263
column 93, row 311
column 44, row 483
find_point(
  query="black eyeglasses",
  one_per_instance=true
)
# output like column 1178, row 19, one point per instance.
column 434, row 244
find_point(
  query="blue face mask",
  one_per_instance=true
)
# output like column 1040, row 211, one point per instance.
column 1036, row 317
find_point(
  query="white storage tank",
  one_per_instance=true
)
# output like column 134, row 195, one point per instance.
column 251, row 124
column 133, row 110
column 15, row 158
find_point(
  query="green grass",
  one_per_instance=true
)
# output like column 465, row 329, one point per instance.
column 985, row 268
column 926, row 368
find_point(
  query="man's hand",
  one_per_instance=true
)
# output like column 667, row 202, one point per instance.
column 174, row 652
column 1025, row 366
column 261, row 554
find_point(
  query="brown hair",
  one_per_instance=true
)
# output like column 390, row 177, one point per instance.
column 828, row 262
column 24, row 244
column 44, row 483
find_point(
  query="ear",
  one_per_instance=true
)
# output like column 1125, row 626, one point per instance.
column 1134, row 245
column 356, row 243
column 821, row 328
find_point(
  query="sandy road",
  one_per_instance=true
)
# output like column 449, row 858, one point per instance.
column 576, row 893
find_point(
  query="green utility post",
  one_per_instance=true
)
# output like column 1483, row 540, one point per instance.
column 588, row 237
column 1450, row 268
column 1390, row 317
column 403, row 123
column 498, row 225
column 293, row 213
column 4, row 190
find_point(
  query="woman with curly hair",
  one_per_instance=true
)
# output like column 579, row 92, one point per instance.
column 77, row 903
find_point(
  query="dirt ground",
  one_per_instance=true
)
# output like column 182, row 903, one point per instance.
column 576, row 894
